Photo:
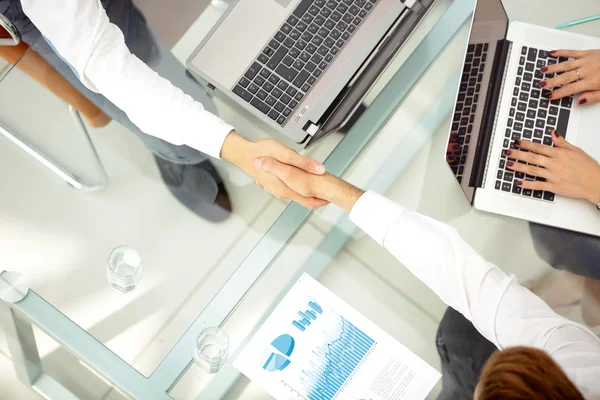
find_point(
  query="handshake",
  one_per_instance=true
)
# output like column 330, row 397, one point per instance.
column 314, row 190
column 288, row 175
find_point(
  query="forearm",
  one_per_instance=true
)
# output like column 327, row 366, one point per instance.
column 338, row 192
column 95, row 48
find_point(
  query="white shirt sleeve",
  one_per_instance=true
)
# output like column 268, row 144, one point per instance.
column 503, row 311
column 82, row 34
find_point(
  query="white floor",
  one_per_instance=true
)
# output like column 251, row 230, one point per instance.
column 60, row 238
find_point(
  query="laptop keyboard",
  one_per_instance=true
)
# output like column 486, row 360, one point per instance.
column 532, row 117
column 296, row 56
column 466, row 106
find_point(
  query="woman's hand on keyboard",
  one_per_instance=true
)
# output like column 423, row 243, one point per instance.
column 581, row 75
column 567, row 169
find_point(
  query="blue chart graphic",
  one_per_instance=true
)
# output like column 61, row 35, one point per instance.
column 344, row 348
column 307, row 316
column 282, row 348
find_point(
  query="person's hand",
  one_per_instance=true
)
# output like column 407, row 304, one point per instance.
column 327, row 187
column 243, row 153
column 567, row 169
column 587, row 82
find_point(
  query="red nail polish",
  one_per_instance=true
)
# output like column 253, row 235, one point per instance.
column 543, row 84
column 544, row 69
column 582, row 101
column 519, row 183
column 553, row 52
column 507, row 152
column 510, row 163
column 518, row 142
column 556, row 133
column 549, row 96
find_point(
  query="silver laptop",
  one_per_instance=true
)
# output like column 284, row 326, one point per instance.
column 499, row 101
column 295, row 64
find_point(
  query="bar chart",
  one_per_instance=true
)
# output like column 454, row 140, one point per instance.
column 343, row 349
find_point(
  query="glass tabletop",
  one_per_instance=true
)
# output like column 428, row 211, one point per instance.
column 198, row 273
column 406, row 162
column 61, row 238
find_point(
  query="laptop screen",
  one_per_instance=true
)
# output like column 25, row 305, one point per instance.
column 490, row 24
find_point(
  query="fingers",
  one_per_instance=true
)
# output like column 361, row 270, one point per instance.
column 562, row 67
column 560, row 141
column 590, row 97
column 560, row 80
column 568, row 90
column 307, row 164
column 537, row 185
column 307, row 202
column 528, row 169
column 536, row 148
column 570, row 53
column 528, row 157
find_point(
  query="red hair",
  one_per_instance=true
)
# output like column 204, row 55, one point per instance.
column 525, row 373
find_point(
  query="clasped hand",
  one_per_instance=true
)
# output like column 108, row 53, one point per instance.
column 244, row 153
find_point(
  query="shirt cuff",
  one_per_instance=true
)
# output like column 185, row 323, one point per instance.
column 210, row 136
column 375, row 214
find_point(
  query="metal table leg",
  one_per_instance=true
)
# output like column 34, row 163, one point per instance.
column 65, row 175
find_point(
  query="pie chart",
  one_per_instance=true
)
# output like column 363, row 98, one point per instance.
column 281, row 349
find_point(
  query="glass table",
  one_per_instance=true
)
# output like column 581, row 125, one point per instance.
column 98, row 343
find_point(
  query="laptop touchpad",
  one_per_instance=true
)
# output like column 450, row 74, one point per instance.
column 589, row 136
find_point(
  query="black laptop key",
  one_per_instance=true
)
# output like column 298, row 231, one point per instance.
column 320, row 20
column 530, row 67
column 274, row 79
column 302, row 26
column 261, row 94
column 276, row 92
column 279, row 106
column 538, row 194
column 286, row 73
column 292, row 20
column 298, row 64
column 516, row 189
column 301, row 78
column 498, row 185
column 527, row 192
column 563, row 121
column 262, row 107
column 273, row 115
column 277, row 57
column 310, row 66
column 553, row 110
column 506, row 186
column 270, row 100
column 532, row 54
column 547, row 141
column 285, row 99
column 291, row 90
column 302, row 7
column 567, row 102
column 243, row 93
column 252, row 88
column 549, row 196
column 263, row 58
column 252, row 71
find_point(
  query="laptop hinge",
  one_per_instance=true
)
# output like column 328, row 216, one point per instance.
column 490, row 113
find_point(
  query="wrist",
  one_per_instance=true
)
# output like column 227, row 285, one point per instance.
column 236, row 148
column 594, row 195
column 339, row 192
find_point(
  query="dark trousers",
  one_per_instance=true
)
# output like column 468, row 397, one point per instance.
column 570, row 251
column 464, row 352
column 141, row 41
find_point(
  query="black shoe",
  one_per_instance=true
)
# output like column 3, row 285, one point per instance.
column 198, row 187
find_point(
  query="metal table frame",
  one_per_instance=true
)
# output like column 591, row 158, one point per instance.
column 17, row 318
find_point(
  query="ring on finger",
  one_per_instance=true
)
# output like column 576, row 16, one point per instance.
column 578, row 76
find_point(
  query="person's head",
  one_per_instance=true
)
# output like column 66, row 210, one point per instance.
column 524, row 373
